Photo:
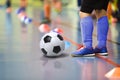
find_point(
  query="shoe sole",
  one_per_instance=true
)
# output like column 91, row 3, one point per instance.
column 102, row 54
column 89, row 55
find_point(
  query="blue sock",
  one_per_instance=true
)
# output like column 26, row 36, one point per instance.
column 102, row 30
column 86, row 31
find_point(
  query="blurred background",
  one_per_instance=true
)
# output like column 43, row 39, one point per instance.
column 20, row 55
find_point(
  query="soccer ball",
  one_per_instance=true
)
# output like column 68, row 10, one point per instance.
column 52, row 44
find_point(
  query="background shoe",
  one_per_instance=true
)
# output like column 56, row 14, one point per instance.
column 22, row 9
column 83, row 52
column 46, row 21
column 102, row 51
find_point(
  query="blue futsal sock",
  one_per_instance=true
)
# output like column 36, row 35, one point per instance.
column 86, row 31
column 102, row 30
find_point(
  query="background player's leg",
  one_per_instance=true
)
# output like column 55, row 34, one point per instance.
column 47, row 11
column 57, row 4
column 8, row 6
column 23, row 4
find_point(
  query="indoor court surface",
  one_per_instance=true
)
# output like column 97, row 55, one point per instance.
column 22, row 59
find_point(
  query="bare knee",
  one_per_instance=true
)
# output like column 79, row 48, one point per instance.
column 100, row 13
column 82, row 14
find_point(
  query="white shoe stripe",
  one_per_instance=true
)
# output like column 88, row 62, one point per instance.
column 102, row 54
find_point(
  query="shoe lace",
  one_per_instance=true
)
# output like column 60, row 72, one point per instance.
column 79, row 46
column 82, row 47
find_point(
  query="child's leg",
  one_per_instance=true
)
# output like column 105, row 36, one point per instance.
column 47, row 9
column 23, row 3
column 8, row 6
column 86, row 31
column 102, row 30
column 86, row 24
column 57, row 4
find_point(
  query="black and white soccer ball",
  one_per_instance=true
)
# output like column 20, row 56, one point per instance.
column 52, row 44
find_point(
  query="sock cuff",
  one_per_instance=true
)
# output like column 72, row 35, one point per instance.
column 103, row 18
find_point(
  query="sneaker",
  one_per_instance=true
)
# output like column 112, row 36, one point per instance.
column 22, row 9
column 83, row 52
column 46, row 21
column 101, row 51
